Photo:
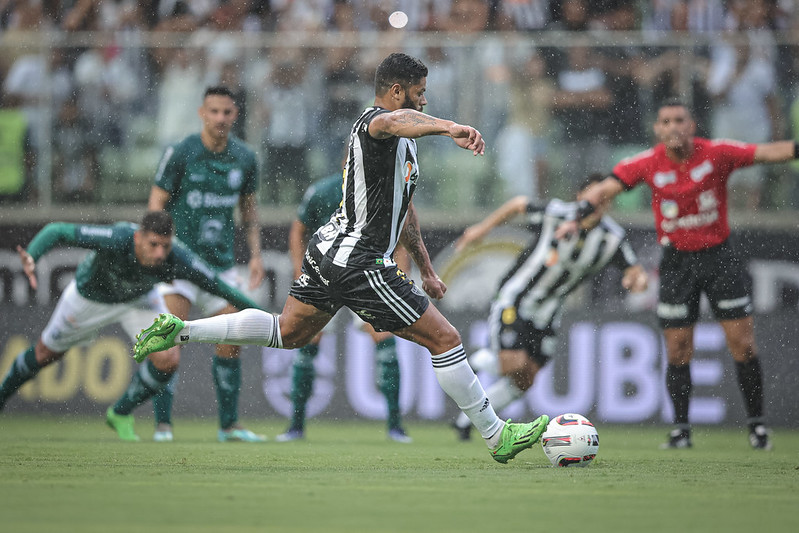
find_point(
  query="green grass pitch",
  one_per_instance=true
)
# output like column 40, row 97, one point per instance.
column 72, row 474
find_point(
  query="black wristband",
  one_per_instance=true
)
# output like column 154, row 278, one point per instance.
column 584, row 209
column 796, row 150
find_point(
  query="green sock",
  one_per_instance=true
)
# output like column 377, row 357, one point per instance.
column 144, row 384
column 23, row 369
column 227, row 378
column 388, row 379
column 302, row 378
column 162, row 402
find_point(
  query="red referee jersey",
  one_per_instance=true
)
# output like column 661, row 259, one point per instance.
column 689, row 199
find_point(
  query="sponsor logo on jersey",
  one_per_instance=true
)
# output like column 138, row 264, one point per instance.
column 669, row 209
column 699, row 172
column 96, row 232
column 197, row 177
column 662, row 179
column 234, row 178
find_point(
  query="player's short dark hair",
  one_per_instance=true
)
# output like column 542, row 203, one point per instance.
column 398, row 68
column 675, row 101
column 158, row 222
column 219, row 90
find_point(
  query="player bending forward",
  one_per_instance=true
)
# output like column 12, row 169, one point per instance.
column 349, row 261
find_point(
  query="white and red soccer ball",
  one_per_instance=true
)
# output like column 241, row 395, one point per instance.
column 570, row 440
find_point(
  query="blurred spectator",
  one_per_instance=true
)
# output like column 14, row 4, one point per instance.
column 344, row 93
column 571, row 15
column 525, row 15
column 75, row 164
column 286, row 106
column 522, row 143
column 696, row 16
column 621, row 62
column 743, row 83
column 583, row 103
column 16, row 156
column 107, row 86
column 181, row 82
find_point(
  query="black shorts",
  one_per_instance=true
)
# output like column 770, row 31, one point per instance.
column 510, row 332
column 719, row 272
column 384, row 297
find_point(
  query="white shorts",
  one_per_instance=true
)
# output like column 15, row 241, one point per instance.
column 206, row 303
column 77, row 320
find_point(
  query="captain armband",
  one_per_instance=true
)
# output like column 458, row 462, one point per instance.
column 796, row 150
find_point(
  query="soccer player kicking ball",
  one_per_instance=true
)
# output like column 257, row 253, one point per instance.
column 349, row 261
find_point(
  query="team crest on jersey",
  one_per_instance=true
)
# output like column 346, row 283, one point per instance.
column 194, row 199
column 509, row 315
column 234, row 178
column 669, row 209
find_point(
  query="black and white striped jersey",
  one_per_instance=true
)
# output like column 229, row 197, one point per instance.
column 549, row 269
column 379, row 180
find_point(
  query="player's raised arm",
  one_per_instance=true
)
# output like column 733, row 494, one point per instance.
column 476, row 232
column 776, row 152
column 593, row 197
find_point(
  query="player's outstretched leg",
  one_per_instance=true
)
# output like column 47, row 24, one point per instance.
column 158, row 337
column 518, row 437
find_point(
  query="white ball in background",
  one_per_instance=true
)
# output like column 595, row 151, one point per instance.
column 398, row 19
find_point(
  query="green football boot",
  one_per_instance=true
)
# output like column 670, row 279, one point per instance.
column 517, row 437
column 158, row 337
column 122, row 424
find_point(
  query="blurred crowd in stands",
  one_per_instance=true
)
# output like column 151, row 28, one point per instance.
column 94, row 90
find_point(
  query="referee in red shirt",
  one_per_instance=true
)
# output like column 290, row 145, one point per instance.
column 688, row 178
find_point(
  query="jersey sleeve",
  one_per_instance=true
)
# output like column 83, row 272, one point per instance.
column 250, row 184
column 190, row 267
column 632, row 171
column 734, row 154
column 625, row 256
column 308, row 206
column 535, row 213
column 80, row 235
column 167, row 176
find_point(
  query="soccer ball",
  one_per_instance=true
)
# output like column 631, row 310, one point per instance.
column 570, row 440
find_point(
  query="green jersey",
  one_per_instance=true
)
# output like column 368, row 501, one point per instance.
column 204, row 189
column 320, row 201
column 112, row 274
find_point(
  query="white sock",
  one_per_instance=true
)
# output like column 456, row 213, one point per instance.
column 460, row 383
column 251, row 326
column 501, row 394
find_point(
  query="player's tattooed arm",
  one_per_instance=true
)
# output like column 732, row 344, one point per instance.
column 411, row 239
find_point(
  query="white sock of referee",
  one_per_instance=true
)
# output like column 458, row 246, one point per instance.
column 251, row 326
column 460, row 383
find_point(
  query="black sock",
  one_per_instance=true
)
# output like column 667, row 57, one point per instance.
column 145, row 383
column 678, row 383
column 750, row 379
column 23, row 369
